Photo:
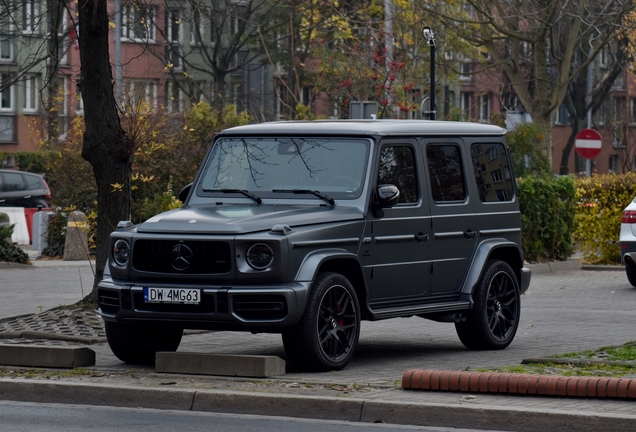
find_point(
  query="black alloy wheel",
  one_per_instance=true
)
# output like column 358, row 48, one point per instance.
column 493, row 321
column 326, row 336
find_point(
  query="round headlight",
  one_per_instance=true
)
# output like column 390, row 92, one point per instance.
column 121, row 252
column 259, row 256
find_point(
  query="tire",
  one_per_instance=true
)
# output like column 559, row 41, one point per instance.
column 631, row 274
column 137, row 344
column 328, row 332
column 493, row 321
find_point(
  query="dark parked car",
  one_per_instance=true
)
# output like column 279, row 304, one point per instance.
column 23, row 189
column 307, row 228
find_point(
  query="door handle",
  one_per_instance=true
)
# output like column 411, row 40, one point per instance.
column 27, row 197
column 421, row 237
column 470, row 233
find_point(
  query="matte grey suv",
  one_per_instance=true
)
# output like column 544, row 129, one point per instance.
column 307, row 228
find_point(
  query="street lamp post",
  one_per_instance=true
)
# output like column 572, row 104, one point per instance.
column 430, row 39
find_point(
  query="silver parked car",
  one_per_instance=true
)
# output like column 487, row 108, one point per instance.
column 307, row 228
column 628, row 241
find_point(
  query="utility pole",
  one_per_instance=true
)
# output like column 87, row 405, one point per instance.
column 430, row 39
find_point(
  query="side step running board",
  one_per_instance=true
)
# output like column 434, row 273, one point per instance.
column 395, row 312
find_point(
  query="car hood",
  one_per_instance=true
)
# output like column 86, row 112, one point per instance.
column 236, row 219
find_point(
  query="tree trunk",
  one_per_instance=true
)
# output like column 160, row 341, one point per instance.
column 105, row 145
column 53, row 105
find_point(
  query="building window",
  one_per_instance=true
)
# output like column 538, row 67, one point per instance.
column 465, row 73
column 143, row 92
column 602, row 57
column 484, row 107
column 306, row 96
column 173, row 39
column 6, row 44
column 632, row 111
column 6, row 93
column 561, row 116
column 138, row 23
column 63, row 113
column 30, row 93
column 196, row 28
column 65, row 40
column 465, row 101
column 613, row 164
column 601, row 114
column 174, row 97
column 79, row 106
column 30, row 16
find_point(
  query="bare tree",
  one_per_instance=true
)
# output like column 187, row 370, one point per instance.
column 534, row 43
column 105, row 147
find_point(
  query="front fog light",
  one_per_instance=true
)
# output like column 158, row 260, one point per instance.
column 259, row 256
column 121, row 252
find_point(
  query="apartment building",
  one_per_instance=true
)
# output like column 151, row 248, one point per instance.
column 162, row 56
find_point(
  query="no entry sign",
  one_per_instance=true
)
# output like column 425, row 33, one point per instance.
column 588, row 143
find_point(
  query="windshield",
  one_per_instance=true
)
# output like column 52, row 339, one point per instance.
column 269, row 167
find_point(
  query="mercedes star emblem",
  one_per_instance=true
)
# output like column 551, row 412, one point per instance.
column 181, row 257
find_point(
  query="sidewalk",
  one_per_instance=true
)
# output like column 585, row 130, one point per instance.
column 563, row 311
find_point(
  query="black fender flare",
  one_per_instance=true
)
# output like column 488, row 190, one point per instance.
column 483, row 253
column 314, row 260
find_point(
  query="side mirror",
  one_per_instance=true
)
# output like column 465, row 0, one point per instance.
column 388, row 195
column 183, row 195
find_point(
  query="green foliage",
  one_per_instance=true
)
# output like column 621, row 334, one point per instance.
column 303, row 112
column 547, row 216
column 600, row 203
column 160, row 202
column 12, row 253
column 525, row 151
column 8, row 251
column 6, row 231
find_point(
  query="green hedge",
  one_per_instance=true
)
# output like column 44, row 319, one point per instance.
column 547, row 217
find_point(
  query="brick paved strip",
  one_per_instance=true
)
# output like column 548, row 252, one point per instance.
column 490, row 382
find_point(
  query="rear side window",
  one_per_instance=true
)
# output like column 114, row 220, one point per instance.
column 13, row 182
column 33, row 182
column 397, row 167
column 445, row 172
column 492, row 172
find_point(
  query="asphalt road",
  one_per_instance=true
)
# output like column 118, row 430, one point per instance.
column 32, row 417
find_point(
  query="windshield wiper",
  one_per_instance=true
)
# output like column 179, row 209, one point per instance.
column 241, row 191
column 320, row 195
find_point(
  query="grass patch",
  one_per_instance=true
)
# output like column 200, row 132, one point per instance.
column 7, row 372
column 623, row 353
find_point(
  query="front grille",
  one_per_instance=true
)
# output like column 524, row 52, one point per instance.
column 206, row 305
column 260, row 307
column 108, row 301
column 156, row 256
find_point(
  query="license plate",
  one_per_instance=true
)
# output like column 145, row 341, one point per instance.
column 172, row 295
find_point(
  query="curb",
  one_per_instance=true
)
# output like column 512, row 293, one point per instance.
column 514, row 383
column 555, row 266
column 12, row 265
column 331, row 408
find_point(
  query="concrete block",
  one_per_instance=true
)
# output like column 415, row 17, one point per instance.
column 220, row 364
column 46, row 356
column 76, row 243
